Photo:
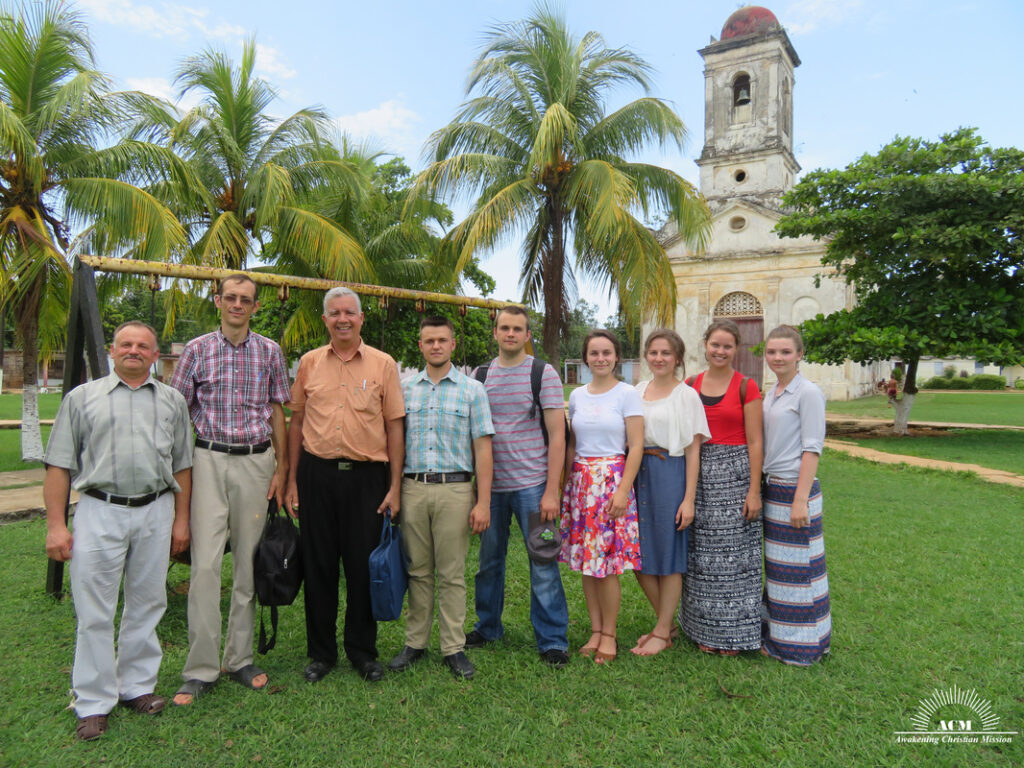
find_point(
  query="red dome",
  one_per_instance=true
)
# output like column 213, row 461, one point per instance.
column 750, row 20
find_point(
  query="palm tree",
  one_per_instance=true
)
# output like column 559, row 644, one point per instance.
column 399, row 237
column 60, row 174
column 257, row 175
column 535, row 146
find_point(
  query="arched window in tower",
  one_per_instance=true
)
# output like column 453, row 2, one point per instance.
column 787, row 108
column 741, row 98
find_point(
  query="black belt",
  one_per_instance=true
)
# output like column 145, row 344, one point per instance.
column 440, row 477
column 233, row 450
column 125, row 501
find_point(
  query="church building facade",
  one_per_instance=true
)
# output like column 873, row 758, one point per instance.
column 748, row 273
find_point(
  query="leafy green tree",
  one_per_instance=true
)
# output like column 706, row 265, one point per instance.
column 535, row 147
column 136, row 302
column 63, row 171
column 929, row 236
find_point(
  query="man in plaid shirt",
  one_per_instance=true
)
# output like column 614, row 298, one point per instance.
column 448, row 425
column 234, row 382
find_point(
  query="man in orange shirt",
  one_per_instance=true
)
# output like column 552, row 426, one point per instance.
column 346, row 447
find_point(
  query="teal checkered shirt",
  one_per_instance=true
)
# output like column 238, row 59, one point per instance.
column 442, row 420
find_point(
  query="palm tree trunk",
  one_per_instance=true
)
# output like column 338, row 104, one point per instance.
column 554, row 289
column 31, row 437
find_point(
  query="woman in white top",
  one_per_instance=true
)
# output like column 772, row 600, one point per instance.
column 599, row 525
column 666, row 487
column 799, row 628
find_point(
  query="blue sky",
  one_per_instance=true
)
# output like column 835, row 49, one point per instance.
column 396, row 70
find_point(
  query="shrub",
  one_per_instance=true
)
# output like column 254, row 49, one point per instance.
column 961, row 383
column 937, row 382
column 987, row 381
column 948, row 372
column 1018, row 384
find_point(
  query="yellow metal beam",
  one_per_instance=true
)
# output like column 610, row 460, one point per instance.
column 191, row 272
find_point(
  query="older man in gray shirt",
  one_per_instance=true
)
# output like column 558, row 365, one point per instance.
column 125, row 443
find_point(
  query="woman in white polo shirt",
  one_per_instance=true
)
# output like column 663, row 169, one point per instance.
column 799, row 626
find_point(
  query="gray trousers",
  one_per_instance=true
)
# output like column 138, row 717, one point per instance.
column 109, row 542
column 229, row 500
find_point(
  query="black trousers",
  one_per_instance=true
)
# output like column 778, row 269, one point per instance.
column 339, row 520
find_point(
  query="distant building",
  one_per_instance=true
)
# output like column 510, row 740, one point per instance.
column 748, row 273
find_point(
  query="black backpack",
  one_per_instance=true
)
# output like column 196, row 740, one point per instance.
column 276, row 569
column 536, row 380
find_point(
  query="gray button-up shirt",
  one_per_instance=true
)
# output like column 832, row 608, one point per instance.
column 121, row 440
column 794, row 422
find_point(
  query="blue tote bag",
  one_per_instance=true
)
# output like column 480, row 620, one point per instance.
column 388, row 573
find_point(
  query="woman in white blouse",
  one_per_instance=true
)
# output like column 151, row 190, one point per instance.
column 674, row 427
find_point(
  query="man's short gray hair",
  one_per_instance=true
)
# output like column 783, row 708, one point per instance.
column 338, row 291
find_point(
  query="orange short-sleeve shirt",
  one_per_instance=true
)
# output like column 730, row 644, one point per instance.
column 346, row 404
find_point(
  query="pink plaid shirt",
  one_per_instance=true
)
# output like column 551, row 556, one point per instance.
column 229, row 389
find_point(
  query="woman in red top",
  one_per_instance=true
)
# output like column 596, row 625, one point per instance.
column 721, row 607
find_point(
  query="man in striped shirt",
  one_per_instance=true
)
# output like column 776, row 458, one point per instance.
column 527, row 475
column 234, row 382
column 448, row 431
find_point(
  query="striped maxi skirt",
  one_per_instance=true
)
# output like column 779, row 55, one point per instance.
column 799, row 627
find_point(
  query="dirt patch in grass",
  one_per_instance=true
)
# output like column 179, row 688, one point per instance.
column 859, row 431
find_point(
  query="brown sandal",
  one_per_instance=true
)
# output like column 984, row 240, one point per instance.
column 146, row 704
column 590, row 650
column 91, row 728
column 601, row 657
column 653, row 636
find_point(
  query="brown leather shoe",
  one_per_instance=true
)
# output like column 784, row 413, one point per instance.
column 91, row 728
column 146, row 704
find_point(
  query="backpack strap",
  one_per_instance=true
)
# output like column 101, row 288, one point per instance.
column 536, row 381
column 690, row 381
column 743, row 390
column 264, row 644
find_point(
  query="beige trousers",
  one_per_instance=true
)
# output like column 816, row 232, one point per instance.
column 229, row 501
column 435, row 537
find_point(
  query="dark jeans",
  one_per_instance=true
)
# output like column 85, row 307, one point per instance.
column 339, row 521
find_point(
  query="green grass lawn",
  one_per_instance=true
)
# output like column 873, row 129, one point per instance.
column 10, row 406
column 924, row 570
column 989, row 448
column 958, row 407
column 10, row 450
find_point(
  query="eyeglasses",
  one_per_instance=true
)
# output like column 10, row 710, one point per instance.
column 231, row 298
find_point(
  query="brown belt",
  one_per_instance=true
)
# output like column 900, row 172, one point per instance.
column 661, row 453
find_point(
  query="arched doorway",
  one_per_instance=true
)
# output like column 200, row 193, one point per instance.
column 745, row 310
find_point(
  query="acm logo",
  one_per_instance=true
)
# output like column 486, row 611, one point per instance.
column 955, row 725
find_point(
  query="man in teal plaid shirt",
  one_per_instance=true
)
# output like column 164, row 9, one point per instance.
column 448, row 426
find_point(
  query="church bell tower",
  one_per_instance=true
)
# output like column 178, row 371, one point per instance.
column 748, row 112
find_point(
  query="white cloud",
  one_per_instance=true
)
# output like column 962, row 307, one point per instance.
column 170, row 20
column 391, row 123
column 270, row 63
column 803, row 16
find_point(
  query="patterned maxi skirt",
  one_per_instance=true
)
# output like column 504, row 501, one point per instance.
column 721, row 606
column 592, row 542
column 799, row 629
